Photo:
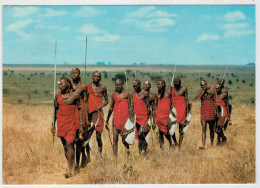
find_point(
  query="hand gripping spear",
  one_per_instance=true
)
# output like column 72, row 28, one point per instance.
column 54, row 92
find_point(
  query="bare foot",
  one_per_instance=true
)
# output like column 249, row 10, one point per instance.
column 201, row 148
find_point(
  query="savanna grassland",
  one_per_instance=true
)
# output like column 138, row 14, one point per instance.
column 29, row 158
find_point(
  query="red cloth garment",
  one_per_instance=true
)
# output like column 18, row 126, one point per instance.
column 180, row 105
column 98, row 97
column 162, row 113
column 224, row 111
column 140, row 110
column 120, row 112
column 221, row 103
column 66, row 120
column 94, row 101
column 207, row 109
column 77, row 115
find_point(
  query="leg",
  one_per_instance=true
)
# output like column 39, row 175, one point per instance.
column 126, row 146
column 139, row 137
column 180, row 135
column 203, row 134
column 175, row 140
column 212, row 131
column 63, row 141
column 99, row 141
column 70, row 155
column 161, row 140
column 115, row 141
column 78, row 152
column 168, row 137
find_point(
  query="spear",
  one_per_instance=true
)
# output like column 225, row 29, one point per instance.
column 126, row 81
column 224, row 75
column 86, row 59
column 173, row 75
column 54, row 93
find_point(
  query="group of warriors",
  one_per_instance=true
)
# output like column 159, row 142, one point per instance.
column 79, row 112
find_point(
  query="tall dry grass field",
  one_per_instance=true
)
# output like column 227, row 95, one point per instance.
column 29, row 158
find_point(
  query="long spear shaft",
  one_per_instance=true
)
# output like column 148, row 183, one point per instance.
column 173, row 75
column 86, row 59
column 126, row 81
column 54, row 92
column 225, row 73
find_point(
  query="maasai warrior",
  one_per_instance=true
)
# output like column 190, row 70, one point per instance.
column 223, row 108
column 207, row 111
column 120, row 104
column 95, row 95
column 78, row 85
column 147, row 87
column 66, row 122
column 180, row 102
column 163, row 108
column 140, row 103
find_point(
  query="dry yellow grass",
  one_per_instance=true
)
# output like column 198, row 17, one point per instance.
column 28, row 156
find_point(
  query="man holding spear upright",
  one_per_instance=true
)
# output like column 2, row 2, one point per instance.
column 96, row 93
column 81, row 87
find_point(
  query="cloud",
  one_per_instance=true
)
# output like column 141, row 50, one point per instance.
column 141, row 12
column 234, row 16
column 97, row 34
column 24, row 11
column 106, row 38
column 238, row 33
column 161, row 14
column 87, row 12
column 52, row 13
column 52, row 27
column 207, row 37
column 91, row 29
column 235, row 26
column 18, row 25
column 156, row 25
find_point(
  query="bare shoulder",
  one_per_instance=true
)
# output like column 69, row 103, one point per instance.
column 168, row 92
column 83, row 85
column 126, row 93
column 103, row 87
column 225, row 90
column 184, row 88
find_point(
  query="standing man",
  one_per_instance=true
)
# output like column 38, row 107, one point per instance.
column 81, row 87
column 141, row 109
column 66, row 121
column 180, row 102
column 95, row 95
column 120, row 104
column 207, row 111
column 223, row 108
column 163, row 108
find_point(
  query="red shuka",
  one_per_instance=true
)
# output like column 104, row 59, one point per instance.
column 92, row 106
column 180, row 105
column 120, row 112
column 221, row 103
column 162, row 113
column 66, row 120
column 84, row 115
column 207, row 109
column 140, row 110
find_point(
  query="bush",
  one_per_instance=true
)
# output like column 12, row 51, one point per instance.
column 243, row 81
column 19, row 101
column 128, row 71
column 119, row 76
column 35, row 91
column 46, row 92
column 6, row 91
column 155, row 77
column 28, row 78
column 251, row 84
column 237, row 80
column 209, row 74
column 105, row 74
column 230, row 97
column 5, row 73
column 229, row 82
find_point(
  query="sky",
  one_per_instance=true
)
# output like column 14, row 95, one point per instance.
column 180, row 34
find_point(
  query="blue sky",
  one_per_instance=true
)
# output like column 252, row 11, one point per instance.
column 191, row 34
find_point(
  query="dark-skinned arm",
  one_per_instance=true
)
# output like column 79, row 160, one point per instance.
column 110, row 112
column 105, row 97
